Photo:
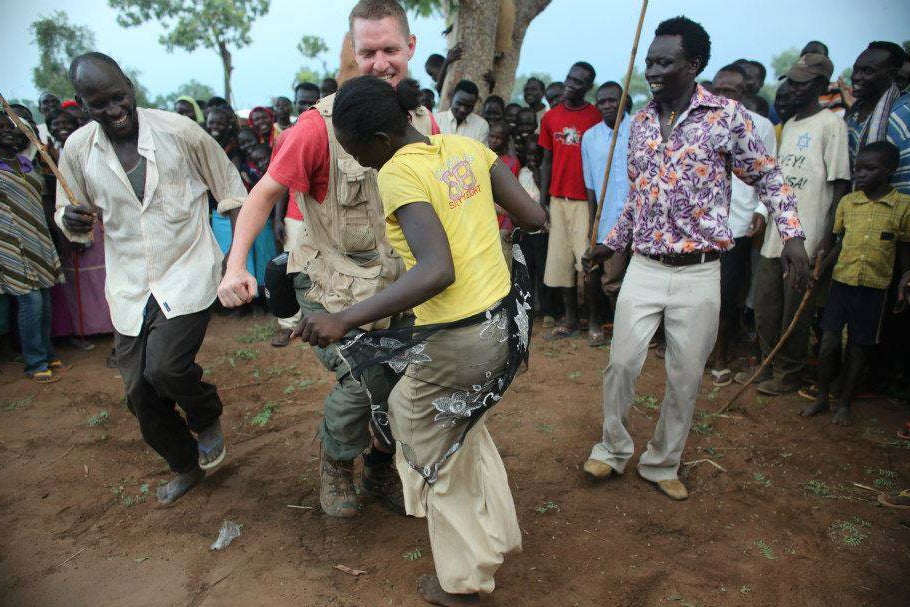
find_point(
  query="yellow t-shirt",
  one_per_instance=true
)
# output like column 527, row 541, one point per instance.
column 452, row 173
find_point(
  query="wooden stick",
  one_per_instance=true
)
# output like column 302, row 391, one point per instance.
column 783, row 338
column 71, row 558
column 619, row 114
column 701, row 461
column 41, row 149
column 57, row 459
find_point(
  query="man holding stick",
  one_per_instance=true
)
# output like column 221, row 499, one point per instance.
column 147, row 174
column 682, row 147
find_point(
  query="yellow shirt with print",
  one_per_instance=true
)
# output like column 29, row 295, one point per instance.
column 872, row 229
column 452, row 173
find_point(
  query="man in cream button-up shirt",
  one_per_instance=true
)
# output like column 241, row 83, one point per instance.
column 146, row 174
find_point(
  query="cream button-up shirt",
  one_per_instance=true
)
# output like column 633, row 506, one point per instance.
column 163, row 244
column 473, row 126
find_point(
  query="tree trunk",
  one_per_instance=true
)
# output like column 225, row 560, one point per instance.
column 504, row 69
column 228, row 66
column 475, row 24
column 475, row 30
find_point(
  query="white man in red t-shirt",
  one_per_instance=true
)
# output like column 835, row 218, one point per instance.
column 562, row 190
column 343, row 258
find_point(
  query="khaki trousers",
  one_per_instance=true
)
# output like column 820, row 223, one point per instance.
column 688, row 299
column 469, row 509
column 569, row 224
column 293, row 229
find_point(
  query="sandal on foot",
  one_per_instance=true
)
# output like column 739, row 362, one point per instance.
column 596, row 339
column 722, row 377
column 903, row 434
column 210, row 445
column 548, row 322
column 44, row 377
column 58, row 365
column 561, row 332
column 897, row 499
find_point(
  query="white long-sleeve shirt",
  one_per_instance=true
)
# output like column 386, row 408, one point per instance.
column 162, row 245
column 743, row 199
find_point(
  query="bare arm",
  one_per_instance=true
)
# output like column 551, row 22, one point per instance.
column 546, row 170
column 238, row 286
column 431, row 275
column 514, row 199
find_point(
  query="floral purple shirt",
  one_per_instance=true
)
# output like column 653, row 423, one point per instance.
column 679, row 195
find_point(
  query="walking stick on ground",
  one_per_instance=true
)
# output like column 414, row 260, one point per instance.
column 32, row 137
column 619, row 113
column 783, row 338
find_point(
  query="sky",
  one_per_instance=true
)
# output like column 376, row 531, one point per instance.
column 597, row 31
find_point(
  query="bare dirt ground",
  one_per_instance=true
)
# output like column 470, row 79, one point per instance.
column 782, row 525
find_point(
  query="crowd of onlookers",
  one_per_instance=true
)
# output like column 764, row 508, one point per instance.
column 557, row 144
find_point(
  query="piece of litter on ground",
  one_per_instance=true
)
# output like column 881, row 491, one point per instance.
column 141, row 559
column 229, row 531
column 349, row 571
column 299, row 507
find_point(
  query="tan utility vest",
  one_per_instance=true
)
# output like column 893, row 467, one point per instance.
column 344, row 247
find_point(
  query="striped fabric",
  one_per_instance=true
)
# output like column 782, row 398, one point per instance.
column 28, row 259
column 161, row 245
column 898, row 134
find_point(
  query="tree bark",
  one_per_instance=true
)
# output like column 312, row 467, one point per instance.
column 504, row 70
column 228, row 67
column 475, row 30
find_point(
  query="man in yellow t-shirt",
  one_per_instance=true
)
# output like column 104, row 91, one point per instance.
column 453, row 174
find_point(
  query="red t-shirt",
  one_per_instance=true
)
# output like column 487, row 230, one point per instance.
column 511, row 162
column 300, row 161
column 560, row 132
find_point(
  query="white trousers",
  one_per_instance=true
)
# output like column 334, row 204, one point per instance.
column 688, row 298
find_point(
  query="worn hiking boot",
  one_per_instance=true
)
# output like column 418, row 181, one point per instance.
column 336, row 493
column 380, row 479
column 744, row 376
column 776, row 386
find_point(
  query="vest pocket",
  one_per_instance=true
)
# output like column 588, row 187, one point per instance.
column 357, row 232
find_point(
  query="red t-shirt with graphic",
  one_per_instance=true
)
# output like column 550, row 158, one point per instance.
column 560, row 132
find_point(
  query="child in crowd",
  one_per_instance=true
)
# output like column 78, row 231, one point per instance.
column 873, row 226
column 498, row 140
column 247, row 139
column 255, row 165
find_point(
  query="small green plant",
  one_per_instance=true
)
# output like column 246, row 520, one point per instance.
column 302, row 384
column 19, row 403
column 760, row 478
column 713, row 393
column 242, row 354
column 850, row 532
column 574, row 374
column 766, row 550
column 786, row 454
column 647, row 401
column 413, row 555
column 257, row 333
column 120, row 492
column 885, row 479
column 263, row 417
column 547, row 507
column 99, row 419
column 818, row 488
column 713, row 452
column 745, row 589
column 545, row 428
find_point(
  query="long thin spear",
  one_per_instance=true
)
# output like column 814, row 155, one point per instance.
column 619, row 114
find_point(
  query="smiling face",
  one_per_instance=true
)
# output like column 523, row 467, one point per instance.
column 217, row 126
column 667, row 69
column 63, row 126
column 262, row 123
column 260, row 157
column 492, row 112
column 527, row 122
column 382, row 49
column 108, row 98
column 463, row 104
column 12, row 141
column 247, row 140
column 872, row 74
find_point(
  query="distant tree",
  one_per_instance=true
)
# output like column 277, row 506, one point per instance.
column 906, row 45
column 143, row 97
column 518, row 89
column 58, row 43
column 193, row 88
column 783, row 61
column 214, row 24
column 312, row 47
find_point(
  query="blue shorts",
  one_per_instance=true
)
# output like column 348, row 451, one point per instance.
column 859, row 308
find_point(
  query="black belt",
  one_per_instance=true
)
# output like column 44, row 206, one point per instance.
column 686, row 259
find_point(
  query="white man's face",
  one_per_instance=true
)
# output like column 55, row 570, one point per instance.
column 381, row 49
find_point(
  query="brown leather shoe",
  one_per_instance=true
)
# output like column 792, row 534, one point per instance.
column 597, row 470
column 336, row 493
column 673, row 488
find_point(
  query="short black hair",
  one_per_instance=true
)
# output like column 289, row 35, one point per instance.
column 756, row 103
column 735, row 68
column 306, row 86
column 56, row 113
column 501, row 124
column 495, row 99
column 216, row 102
column 467, row 86
column 93, row 57
column 753, row 63
column 609, row 84
column 260, row 147
column 896, row 55
column 435, row 59
column 587, row 67
column 888, row 152
column 366, row 105
column 330, row 80
column 537, row 80
column 280, row 98
column 526, row 110
column 513, row 105
column 696, row 43
column 813, row 42
column 554, row 84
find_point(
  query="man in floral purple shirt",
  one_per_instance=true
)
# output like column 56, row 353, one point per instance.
column 683, row 147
